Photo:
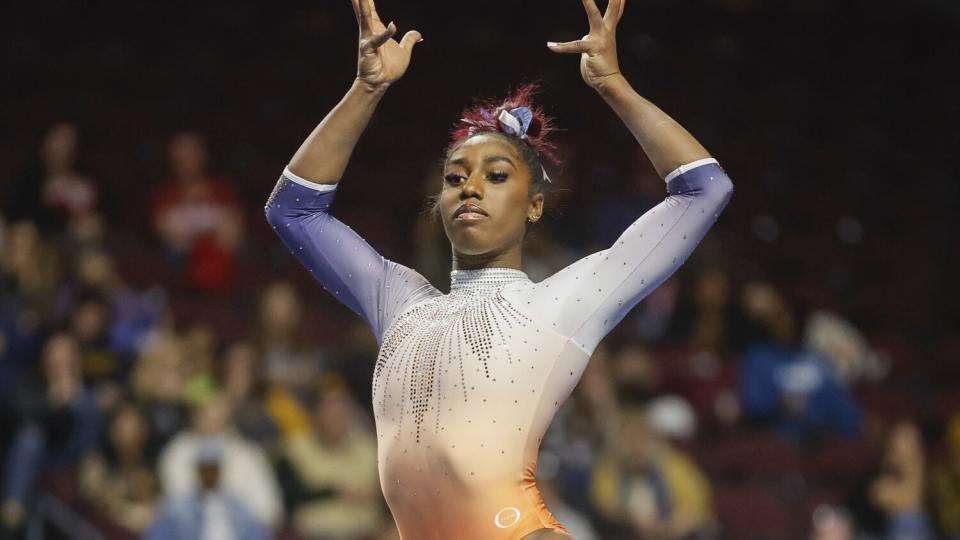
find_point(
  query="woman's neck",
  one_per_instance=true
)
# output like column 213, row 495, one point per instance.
column 507, row 259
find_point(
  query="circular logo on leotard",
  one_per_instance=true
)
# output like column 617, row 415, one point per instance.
column 508, row 517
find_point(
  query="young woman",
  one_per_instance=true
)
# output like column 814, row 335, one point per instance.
column 466, row 383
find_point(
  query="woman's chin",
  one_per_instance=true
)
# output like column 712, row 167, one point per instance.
column 470, row 247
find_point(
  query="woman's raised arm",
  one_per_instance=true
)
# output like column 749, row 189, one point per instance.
column 352, row 271
column 588, row 298
column 666, row 143
column 323, row 156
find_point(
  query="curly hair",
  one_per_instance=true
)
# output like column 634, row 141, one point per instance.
column 482, row 118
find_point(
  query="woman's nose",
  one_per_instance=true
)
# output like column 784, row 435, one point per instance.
column 472, row 187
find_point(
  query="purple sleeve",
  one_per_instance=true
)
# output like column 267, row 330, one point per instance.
column 375, row 288
column 585, row 300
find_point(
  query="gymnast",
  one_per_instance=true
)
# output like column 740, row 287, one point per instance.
column 466, row 383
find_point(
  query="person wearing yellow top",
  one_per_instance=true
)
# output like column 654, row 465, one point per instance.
column 334, row 465
column 650, row 487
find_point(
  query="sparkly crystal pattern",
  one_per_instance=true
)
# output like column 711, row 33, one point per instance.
column 447, row 336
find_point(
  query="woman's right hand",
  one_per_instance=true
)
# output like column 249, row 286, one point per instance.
column 382, row 60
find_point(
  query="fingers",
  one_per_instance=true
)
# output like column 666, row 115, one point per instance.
column 356, row 9
column 614, row 11
column 361, row 20
column 367, row 24
column 373, row 12
column 365, row 15
column 578, row 46
column 379, row 39
column 410, row 39
column 593, row 13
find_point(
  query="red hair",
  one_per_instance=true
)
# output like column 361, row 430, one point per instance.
column 482, row 118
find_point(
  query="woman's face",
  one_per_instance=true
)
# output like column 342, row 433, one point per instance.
column 486, row 176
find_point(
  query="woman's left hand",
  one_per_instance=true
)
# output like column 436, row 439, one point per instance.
column 598, row 49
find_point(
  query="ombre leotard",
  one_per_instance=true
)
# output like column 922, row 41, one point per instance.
column 466, row 383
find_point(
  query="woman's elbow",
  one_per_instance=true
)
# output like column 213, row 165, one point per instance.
column 273, row 214
column 718, row 190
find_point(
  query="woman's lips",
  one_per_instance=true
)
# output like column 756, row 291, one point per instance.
column 470, row 216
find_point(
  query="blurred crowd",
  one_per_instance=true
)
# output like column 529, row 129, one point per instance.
column 167, row 370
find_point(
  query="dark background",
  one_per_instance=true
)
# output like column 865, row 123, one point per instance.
column 818, row 110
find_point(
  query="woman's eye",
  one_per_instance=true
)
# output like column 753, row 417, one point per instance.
column 497, row 176
column 453, row 178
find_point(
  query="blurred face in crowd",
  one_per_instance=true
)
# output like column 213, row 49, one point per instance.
column 712, row 288
column 831, row 524
column 333, row 415
column 163, row 363
column 905, row 443
column 61, row 359
column 280, row 309
column 95, row 269
column 23, row 243
column 89, row 321
column 188, row 157
column 198, row 345
column 212, row 417
column 489, row 173
column 635, row 372
column 639, row 445
column 240, row 366
column 60, row 147
column 128, row 432
column 765, row 306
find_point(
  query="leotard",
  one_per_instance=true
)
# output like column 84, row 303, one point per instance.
column 466, row 384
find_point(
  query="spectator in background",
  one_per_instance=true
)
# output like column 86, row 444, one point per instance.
column 207, row 510
column 783, row 384
column 244, row 386
column 332, row 485
column 649, row 487
column 898, row 489
column 28, row 275
column 119, row 480
column 133, row 313
column 51, row 190
column 199, row 345
column 283, row 339
column 28, row 272
column 708, row 318
column 90, row 324
column 159, row 382
column 837, row 340
column 831, row 523
column 945, row 484
column 60, row 425
column 198, row 217
column 636, row 373
column 244, row 471
column 708, row 323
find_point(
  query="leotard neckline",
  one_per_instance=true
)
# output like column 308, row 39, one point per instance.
column 484, row 278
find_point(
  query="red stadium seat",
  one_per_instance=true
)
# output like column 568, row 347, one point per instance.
column 752, row 513
column 754, row 456
column 842, row 463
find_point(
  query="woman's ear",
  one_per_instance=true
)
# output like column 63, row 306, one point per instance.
column 535, row 211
